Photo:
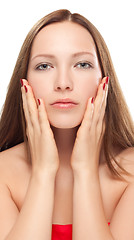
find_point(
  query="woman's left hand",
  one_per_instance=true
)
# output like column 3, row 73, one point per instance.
column 87, row 146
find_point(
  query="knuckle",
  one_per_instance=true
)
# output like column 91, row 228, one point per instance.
column 37, row 130
column 42, row 117
column 29, row 130
column 95, row 120
column 31, row 111
column 34, row 121
column 30, row 133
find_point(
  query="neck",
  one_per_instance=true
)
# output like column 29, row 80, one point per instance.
column 64, row 139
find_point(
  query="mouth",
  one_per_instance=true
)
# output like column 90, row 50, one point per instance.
column 64, row 100
column 65, row 105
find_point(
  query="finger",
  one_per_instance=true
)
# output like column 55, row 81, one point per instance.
column 43, row 120
column 103, row 109
column 88, row 117
column 25, row 107
column 102, row 113
column 25, row 82
column 87, row 120
column 99, row 102
column 32, row 108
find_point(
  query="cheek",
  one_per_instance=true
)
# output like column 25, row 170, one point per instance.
column 39, row 87
column 90, row 86
column 40, row 90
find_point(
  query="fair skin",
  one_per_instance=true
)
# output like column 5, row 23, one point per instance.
column 65, row 147
column 63, row 80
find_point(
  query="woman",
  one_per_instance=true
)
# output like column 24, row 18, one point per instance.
column 67, row 169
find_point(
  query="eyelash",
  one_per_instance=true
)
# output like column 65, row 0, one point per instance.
column 41, row 65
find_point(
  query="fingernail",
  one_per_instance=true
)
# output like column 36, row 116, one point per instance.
column 38, row 101
column 92, row 100
column 107, row 80
column 21, row 81
column 25, row 88
column 104, row 86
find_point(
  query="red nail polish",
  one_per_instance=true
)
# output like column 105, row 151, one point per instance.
column 25, row 88
column 107, row 79
column 39, row 101
column 92, row 100
column 21, row 81
column 104, row 86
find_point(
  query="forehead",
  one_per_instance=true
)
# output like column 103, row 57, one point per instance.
column 64, row 36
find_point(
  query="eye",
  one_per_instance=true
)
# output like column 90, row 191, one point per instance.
column 84, row 65
column 46, row 67
column 43, row 66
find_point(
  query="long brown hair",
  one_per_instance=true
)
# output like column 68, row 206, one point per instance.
column 119, row 125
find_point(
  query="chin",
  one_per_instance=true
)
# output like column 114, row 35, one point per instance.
column 65, row 121
column 65, row 124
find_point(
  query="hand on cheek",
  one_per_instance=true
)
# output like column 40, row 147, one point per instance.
column 85, row 154
column 39, row 134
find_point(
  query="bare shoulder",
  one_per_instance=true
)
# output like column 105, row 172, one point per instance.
column 126, row 160
column 123, row 214
column 13, row 161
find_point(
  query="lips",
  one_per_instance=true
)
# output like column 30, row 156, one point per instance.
column 64, row 106
column 64, row 101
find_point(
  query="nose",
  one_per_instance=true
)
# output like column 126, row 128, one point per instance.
column 63, row 81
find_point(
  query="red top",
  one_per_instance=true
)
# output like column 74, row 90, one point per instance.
column 62, row 232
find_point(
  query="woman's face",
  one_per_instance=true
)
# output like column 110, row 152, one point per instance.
column 67, row 73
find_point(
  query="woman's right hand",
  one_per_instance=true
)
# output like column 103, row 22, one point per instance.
column 43, row 149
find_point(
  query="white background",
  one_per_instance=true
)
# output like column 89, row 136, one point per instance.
column 114, row 19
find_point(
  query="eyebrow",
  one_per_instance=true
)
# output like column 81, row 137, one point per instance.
column 73, row 55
